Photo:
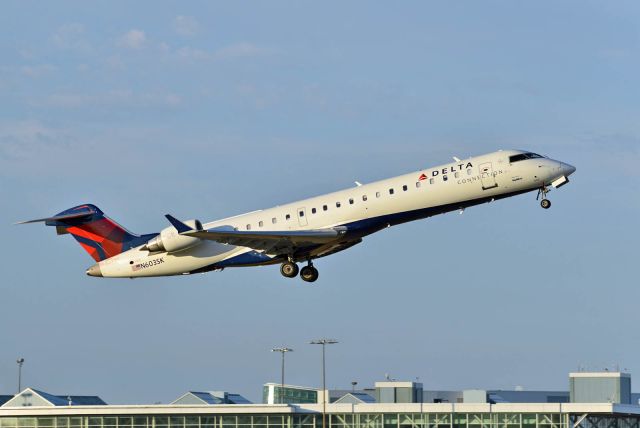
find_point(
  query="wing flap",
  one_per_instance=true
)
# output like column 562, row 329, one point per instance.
column 315, row 236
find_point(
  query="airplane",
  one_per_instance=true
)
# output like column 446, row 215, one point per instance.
column 306, row 230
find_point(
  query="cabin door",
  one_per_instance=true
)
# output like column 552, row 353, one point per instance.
column 487, row 176
column 302, row 216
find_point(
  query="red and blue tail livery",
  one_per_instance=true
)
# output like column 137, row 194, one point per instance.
column 100, row 236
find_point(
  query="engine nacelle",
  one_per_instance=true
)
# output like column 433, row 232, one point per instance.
column 170, row 240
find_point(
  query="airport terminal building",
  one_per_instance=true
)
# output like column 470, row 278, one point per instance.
column 607, row 405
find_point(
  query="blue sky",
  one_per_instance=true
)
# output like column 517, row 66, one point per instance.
column 210, row 109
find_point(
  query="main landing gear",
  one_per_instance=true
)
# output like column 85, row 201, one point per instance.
column 544, row 203
column 289, row 269
column 308, row 273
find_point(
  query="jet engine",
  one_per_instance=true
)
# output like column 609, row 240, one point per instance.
column 170, row 240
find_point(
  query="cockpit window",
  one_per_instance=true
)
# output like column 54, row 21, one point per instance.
column 524, row 156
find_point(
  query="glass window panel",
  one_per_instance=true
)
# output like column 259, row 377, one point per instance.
column 75, row 422
column 377, row 194
column 61, row 422
column 94, row 422
column 26, row 422
column 192, row 421
column 324, row 208
column 207, row 421
column 48, row 422
column 391, row 191
column 108, row 421
column 261, row 223
column 274, row 220
column 275, row 421
column 337, row 204
column 390, row 421
column 244, row 420
column 364, row 197
column 418, row 184
column 176, row 421
column 248, row 227
column 228, row 421
column 431, row 181
column 11, row 422
column 313, row 210
column 140, row 421
column 529, row 420
column 445, row 178
column 404, row 187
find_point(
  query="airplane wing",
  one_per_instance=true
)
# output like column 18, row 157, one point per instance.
column 271, row 242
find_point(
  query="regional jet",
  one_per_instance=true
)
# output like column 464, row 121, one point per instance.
column 306, row 230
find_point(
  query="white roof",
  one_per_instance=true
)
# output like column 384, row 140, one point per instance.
column 166, row 409
column 599, row 374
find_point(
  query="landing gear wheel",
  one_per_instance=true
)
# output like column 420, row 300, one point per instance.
column 289, row 269
column 545, row 203
column 309, row 274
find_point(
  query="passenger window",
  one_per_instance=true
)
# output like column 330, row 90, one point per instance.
column 418, row 184
column 287, row 217
column 364, row 197
column 431, row 181
column 469, row 171
column 274, row 220
column 301, row 213
column 313, row 210
column 391, row 191
column 324, row 208
column 404, row 187
column 457, row 174
column 248, row 227
column 350, row 201
column 260, row 223
column 445, row 178
column 337, row 204
column 377, row 194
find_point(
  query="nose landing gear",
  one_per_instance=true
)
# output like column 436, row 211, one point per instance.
column 544, row 203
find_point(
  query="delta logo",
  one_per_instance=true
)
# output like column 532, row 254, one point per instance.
column 445, row 171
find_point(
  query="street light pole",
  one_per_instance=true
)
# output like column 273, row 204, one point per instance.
column 324, row 342
column 283, row 350
column 20, row 362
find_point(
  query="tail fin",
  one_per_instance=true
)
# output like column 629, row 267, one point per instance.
column 100, row 236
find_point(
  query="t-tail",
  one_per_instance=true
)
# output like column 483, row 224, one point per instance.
column 100, row 236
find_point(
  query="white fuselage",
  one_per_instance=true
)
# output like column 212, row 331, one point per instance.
column 365, row 209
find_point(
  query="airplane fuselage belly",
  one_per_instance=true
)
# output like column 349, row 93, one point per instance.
column 363, row 210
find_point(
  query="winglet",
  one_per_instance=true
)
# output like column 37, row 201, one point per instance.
column 180, row 226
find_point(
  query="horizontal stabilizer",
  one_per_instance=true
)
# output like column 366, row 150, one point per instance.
column 86, row 212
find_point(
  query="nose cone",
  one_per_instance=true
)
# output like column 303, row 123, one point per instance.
column 568, row 169
column 94, row 270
